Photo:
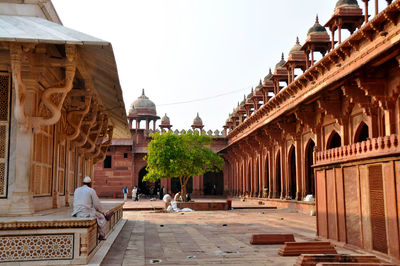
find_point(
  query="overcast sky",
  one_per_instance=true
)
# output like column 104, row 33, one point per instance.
column 184, row 50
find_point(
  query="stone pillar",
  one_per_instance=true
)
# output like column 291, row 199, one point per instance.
column 299, row 164
column 283, row 170
column 21, row 200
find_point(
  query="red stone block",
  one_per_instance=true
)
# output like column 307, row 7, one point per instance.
column 311, row 260
column 352, row 264
column 271, row 239
column 314, row 247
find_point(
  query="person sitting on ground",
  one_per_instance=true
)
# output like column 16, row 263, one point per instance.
column 167, row 203
column 177, row 196
column 87, row 205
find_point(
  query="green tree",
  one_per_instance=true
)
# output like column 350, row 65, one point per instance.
column 180, row 156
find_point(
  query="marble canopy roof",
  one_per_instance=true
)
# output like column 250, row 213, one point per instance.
column 96, row 55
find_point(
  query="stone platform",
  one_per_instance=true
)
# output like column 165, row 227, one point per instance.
column 52, row 237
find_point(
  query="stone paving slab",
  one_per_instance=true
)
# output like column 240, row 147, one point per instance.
column 146, row 204
column 207, row 237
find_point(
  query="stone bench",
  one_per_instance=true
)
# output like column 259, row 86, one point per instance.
column 271, row 239
column 312, row 247
column 311, row 260
column 53, row 235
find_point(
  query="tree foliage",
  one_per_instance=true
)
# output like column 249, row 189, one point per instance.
column 180, row 156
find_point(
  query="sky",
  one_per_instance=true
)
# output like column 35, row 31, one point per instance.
column 195, row 55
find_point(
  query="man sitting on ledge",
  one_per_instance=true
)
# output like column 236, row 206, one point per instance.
column 87, row 205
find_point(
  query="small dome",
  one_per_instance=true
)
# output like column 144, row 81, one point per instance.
column 296, row 48
column 317, row 28
column 268, row 77
column 143, row 106
column 165, row 120
column 243, row 101
column 251, row 93
column 346, row 4
column 197, row 121
column 280, row 63
column 259, row 86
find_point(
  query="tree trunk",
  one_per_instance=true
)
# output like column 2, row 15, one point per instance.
column 184, row 181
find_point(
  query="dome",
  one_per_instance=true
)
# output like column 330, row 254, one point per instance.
column 243, row 101
column 296, row 48
column 259, row 86
column 143, row 106
column 165, row 120
column 317, row 28
column 197, row 121
column 280, row 63
column 251, row 93
column 268, row 77
column 346, row 4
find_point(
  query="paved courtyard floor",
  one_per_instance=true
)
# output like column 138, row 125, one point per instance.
column 207, row 237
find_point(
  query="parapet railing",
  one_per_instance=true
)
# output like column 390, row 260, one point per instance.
column 376, row 147
column 216, row 133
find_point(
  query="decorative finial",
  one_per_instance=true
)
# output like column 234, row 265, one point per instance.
column 252, row 89
column 317, row 20
column 244, row 97
column 238, row 103
column 197, row 114
column 260, row 83
column 165, row 114
column 142, row 91
column 283, row 56
column 297, row 40
column 270, row 72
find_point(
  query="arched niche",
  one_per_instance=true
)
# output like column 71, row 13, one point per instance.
column 334, row 141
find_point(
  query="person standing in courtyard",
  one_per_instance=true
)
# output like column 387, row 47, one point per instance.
column 87, row 205
column 125, row 191
column 162, row 190
column 134, row 193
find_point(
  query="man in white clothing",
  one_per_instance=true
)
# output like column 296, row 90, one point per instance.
column 134, row 194
column 87, row 205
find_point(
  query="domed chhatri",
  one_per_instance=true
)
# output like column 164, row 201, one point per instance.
column 143, row 109
column 165, row 123
column 317, row 28
column 346, row 4
column 165, row 120
column 260, row 85
column 197, row 122
column 143, row 106
column 268, row 77
column 280, row 63
column 296, row 49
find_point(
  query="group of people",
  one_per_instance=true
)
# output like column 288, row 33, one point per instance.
column 135, row 193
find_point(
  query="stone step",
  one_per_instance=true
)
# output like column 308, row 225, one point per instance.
column 312, row 247
column 312, row 260
column 353, row 264
column 271, row 239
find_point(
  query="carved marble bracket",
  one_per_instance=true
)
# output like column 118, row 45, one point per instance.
column 52, row 98
column 75, row 118
column 104, row 145
column 88, row 122
column 94, row 133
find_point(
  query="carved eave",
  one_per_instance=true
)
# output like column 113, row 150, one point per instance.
column 354, row 53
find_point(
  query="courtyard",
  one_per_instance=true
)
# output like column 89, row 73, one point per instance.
column 207, row 237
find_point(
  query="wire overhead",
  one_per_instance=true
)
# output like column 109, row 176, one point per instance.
column 202, row 99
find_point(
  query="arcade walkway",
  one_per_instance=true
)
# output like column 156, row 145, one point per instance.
column 206, row 237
